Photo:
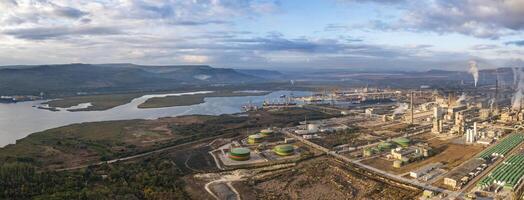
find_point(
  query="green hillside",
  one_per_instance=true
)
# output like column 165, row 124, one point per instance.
column 72, row 78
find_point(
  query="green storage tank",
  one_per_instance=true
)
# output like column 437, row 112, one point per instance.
column 402, row 141
column 385, row 146
column 239, row 154
column 266, row 132
column 284, row 150
column 254, row 139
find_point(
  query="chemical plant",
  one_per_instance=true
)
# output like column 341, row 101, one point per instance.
column 462, row 143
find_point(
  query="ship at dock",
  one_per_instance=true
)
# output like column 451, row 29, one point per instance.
column 250, row 107
column 282, row 102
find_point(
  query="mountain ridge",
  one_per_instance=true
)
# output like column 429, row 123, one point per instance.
column 75, row 77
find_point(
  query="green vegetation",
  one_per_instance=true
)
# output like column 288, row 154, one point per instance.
column 107, row 78
column 148, row 179
column 186, row 100
column 79, row 143
column 503, row 146
column 508, row 174
column 99, row 102
column 87, row 143
column 27, row 168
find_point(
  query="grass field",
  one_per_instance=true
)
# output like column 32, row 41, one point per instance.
column 108, row 101
column 100, row 102
column 186, row 100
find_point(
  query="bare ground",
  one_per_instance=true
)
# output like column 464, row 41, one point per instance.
column 321, row 178
column 451, row 155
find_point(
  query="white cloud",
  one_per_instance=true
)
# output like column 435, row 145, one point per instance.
column 479, row 18
column 195, row 58
column 205, row 32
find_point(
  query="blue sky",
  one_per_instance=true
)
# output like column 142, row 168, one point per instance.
column 276, row 34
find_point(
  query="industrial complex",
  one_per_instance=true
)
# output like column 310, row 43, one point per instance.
column 446, row 144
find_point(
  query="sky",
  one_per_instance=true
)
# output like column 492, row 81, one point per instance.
column 273, row 34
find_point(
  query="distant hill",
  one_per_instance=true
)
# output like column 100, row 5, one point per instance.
column 267, row 74
column 113, row 77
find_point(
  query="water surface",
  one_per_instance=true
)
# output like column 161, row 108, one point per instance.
column 21, row 119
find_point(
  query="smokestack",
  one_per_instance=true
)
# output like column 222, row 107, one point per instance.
column 449, row 99
column 496, row 91
column 412, row 107
column 475, row 129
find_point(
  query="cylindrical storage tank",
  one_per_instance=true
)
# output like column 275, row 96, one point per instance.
column 284, row 150
column 402, row 141
column 397, row 164
column 239, row 154
column 266, row 132
column 254, row 139
column 367, row 152
column 312, row 128
column 385, row 146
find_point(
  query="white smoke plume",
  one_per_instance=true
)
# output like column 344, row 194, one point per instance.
column 517, row 97
column 402, row 107
column 515, row 75
column 473, row 70
column 461, row 99
column 491, row 103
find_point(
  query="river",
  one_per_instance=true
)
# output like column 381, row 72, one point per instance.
column 18, row 120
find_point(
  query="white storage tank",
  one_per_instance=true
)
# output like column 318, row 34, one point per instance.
column 312, row 128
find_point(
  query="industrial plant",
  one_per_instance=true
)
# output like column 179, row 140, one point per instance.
column 459, row 143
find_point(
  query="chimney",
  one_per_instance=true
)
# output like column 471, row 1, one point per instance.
column 412, row 119
column 475, row 129
column 496, row 92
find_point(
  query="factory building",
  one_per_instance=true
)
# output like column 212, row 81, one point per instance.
column 471, row 134
column 463, row 174
column 411, row 153
column 438, row 113
column 424, row 170
column 509, row 117
column 402, row 153
column 484, row 114
column 437, row 126
column 397, row 164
